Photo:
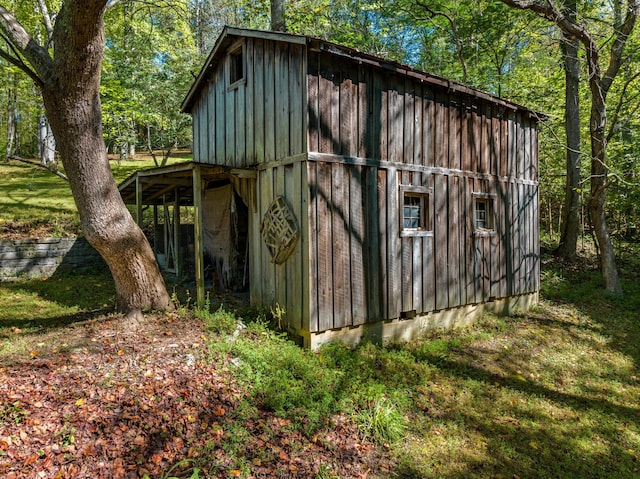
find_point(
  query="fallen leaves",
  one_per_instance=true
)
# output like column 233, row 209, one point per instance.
column 127, row 405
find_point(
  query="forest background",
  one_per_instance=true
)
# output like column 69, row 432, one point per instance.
column 154, row 49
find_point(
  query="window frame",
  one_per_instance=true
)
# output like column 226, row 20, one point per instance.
column 425, row 195
column 489, row 200
column 236, row 57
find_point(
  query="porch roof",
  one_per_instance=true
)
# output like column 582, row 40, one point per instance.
column 161, row 184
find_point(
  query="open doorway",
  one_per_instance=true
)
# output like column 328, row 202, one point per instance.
column 225, row 238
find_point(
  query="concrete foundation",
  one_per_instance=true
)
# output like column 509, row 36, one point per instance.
column 398, row 330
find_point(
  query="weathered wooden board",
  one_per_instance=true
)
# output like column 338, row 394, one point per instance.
column 340, row 216
column 406, row 266
column 357, row 206
column 390, row 252
column 270, row 117
column 382, row 243
column 257, row 110
column 373, row 183
column 282, row 111
column 313, row 277
column 325, row 247
column 441, row 195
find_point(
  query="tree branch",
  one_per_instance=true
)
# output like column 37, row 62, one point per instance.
column 18, row 39
column 15, row 61
column 47, row 20
column 622, row 100
column 51, row 168
column 621, row 36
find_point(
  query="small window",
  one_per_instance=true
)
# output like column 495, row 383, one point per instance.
column 483, row 214
column 415, row 211
column 236, row 66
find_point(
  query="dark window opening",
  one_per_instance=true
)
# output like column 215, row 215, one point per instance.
column 236, row 66
column 483, row 216
column 415, row 211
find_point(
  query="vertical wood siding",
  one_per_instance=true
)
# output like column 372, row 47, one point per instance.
column 258, row 120
column 371, row 132
column 379, row 131
column 286, row 284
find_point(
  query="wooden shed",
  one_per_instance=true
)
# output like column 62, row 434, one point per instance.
column 381, row 200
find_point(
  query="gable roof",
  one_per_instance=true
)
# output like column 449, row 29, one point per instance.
column 230, row 34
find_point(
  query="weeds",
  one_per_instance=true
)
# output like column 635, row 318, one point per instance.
column 382, row 421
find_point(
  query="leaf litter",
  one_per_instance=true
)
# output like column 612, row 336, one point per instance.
column 122, row 404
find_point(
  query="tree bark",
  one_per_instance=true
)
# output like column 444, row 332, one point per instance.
column 11, row 116
column 70, row 83
column 599, row 85
column 278, row 22
column 570, row 229
column 597, row 200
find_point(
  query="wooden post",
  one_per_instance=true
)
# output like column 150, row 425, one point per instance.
column 155, row 229
column 199, row 249
column 139, row 202
column 176, row 233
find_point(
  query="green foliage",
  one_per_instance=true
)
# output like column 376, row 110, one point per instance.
column 382, row 421
column 283, row 378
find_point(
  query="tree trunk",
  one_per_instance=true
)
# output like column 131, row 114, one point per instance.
column 597, row 198
column 72, row 101
column 11, row 116
column 278, row 23
column 570, row 229
column 46, row 142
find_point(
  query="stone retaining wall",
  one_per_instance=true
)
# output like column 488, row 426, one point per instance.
column 36, row 258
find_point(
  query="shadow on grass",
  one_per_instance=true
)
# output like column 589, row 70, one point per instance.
column 57, row 301
column 580, row 285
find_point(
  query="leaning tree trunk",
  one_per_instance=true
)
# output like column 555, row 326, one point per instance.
column 597, row 198
column 72, row 101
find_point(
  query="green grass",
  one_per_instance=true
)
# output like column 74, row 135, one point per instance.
column 551, row 393
column 35, row 202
